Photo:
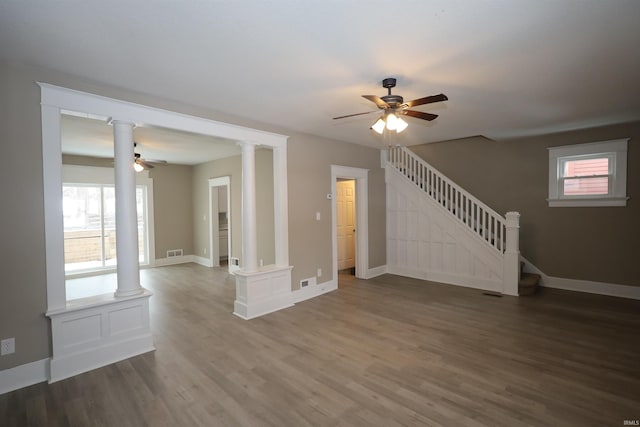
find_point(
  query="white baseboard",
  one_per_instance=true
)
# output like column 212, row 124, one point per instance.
column 448, row 278
column 206, row 262
column 162, row 262
column 587, row 286
column 406, row 272
column 24, row 375
column 314, row 291
column 375, row 272
column 601, row 288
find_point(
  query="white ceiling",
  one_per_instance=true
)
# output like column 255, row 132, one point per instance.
column 510, row 67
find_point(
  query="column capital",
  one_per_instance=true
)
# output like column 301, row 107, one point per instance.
column 247, row 144
column 114, row 121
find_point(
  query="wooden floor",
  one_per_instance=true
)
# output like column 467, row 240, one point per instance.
column 384, row 352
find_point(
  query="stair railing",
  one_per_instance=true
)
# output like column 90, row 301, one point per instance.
column 468, row 210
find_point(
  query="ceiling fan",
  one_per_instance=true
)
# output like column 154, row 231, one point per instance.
column 394, row 106
column 140, row 164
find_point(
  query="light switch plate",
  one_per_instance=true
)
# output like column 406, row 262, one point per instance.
column 7, row 346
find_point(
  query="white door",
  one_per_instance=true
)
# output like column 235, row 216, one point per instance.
column 346, row 227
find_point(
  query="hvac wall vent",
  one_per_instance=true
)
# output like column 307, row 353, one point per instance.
column 174, row 252
column 306, row 282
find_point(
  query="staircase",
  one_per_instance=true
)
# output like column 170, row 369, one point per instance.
column 528, row 283
column 438, row 231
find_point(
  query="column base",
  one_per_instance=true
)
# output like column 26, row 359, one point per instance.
column 128, row 293
column 263, row 291
column 98, row 331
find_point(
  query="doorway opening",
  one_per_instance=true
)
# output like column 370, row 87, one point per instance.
column 350, row 202
column 220, row 221
column 346, row 225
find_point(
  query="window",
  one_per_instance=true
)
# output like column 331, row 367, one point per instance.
column 593, row 174
column 90, row 229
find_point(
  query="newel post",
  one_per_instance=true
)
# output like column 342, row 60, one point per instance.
column 511, row 269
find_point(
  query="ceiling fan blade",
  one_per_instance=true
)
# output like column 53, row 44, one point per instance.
column 155, row 161
column 377, row 100
column 418, row 114
column 144, row 164
column 357, row 114
column 425, row 100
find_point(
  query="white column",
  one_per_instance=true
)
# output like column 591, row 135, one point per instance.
column 249, row 225
column 54, row 227
column 280, row 205
column 511, row 268
column 126, row 217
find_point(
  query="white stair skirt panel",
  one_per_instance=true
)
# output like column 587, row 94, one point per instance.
column 425, row 241
column 263, row 291
column 95, row 335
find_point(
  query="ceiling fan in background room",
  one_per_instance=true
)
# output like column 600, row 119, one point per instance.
column 393, row 106
column 140, row 164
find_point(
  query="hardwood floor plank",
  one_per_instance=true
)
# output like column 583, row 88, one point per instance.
column 389, row 351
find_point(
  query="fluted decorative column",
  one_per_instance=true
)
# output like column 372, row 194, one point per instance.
column 249, row 224
column 126, row 216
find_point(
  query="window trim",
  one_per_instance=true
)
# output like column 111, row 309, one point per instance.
column 615, row 150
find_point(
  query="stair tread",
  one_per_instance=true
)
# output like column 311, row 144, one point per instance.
column 529, row 279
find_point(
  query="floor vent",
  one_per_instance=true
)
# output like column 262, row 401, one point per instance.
column 174, row 252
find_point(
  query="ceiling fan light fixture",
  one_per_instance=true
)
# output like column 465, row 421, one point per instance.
column 400, row 125
column 392, row 121
column 137, row 166
column 378, row 126
column 392, row 105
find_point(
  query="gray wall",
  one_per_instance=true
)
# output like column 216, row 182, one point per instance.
column 23, row 298
column 310, row 241
column 172, row 208
column 22, row 256
column 232, row 167
column 595, row 244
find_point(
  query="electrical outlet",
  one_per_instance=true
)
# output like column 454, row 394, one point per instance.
column 205, row 251
column 7, row 346
column 319, row 272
